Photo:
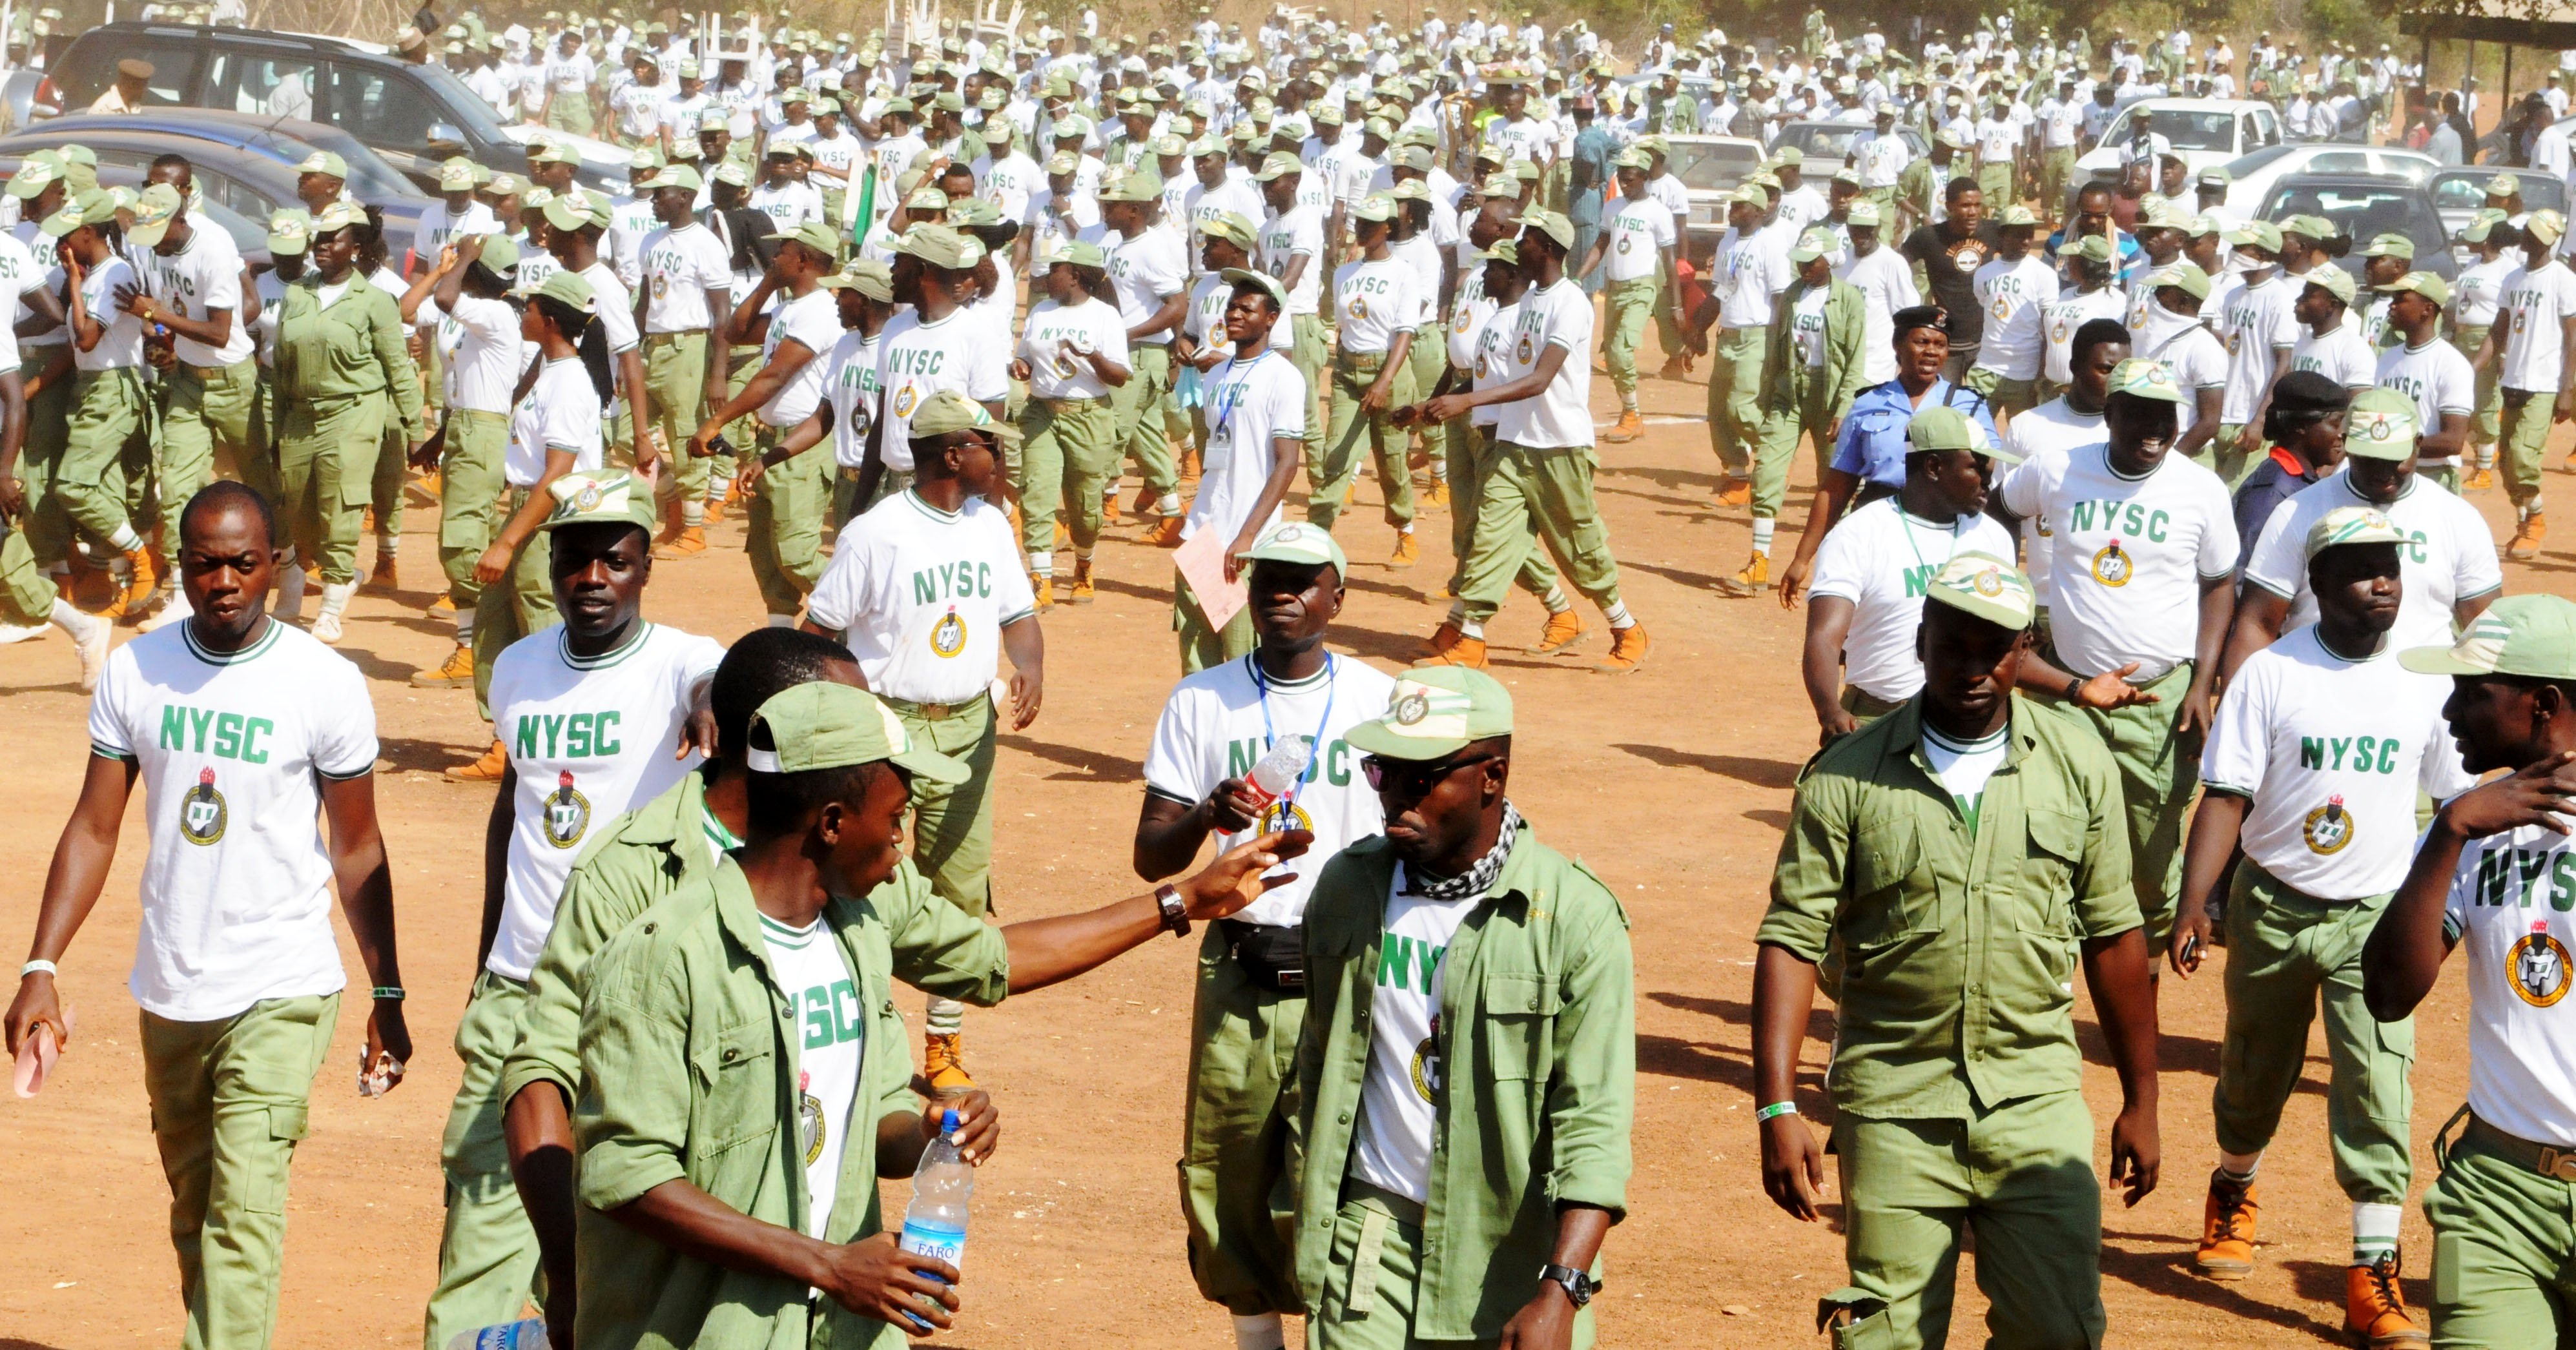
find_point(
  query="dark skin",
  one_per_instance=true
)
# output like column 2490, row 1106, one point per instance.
column 2499, row 723
column 1920, row 353
column 2358, row 589
column 848, row 848
column 2249, row 442
column 1543, row 260
column 226, row 567
column 1938, row 487
column 1292, row 606
column 676, row 207
column 936, row 292
column 599, row 572
column 2414, row 314
column 553, row 344
column 1970, row 667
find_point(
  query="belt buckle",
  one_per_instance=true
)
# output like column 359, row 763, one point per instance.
column 936, row 712
column 2557, row 1164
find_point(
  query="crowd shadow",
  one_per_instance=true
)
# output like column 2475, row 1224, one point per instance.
column 1089, row 766
column 413, row 755
column 1698, row 581
column 2167, row 1272
column 1762, row 773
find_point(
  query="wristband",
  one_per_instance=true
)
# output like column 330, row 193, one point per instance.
column 2074, row 684
column 36, row 968
column 391, row 991
column 1775, row 1109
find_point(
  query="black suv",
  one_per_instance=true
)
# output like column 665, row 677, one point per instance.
column 384, row 101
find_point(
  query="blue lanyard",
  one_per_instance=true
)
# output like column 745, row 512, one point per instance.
column 1322, row 724
column 1229, row 392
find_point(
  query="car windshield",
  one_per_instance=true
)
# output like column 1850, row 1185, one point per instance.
column 2359, row 210
column 2466, row 190
column 2245, row 164
column 370, row 177
column 1823, row 140
column 2187, row 129
column 469, row 113
column 1713, row 166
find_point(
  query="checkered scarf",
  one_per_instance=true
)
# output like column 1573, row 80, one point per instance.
column 1476, row 880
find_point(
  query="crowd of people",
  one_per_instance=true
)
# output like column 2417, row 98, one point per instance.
column 2144, row 617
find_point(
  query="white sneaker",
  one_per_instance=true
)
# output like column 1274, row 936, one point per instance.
column 286, row 603
column 93, row 634
column 335, row 599
column 173, row 610
column 11, row 633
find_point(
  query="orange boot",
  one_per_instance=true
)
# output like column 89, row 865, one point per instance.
column 1630, row 426
column 2527, row 537
column 144, row 577
column 485, row 770
column 1461, row 650
column 1628, row 648
column 2227, row 1220
column 2374, row 1312
column 1563, row 627
column 943, row 1063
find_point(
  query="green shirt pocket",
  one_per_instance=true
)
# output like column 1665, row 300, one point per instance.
column 1520, row 1010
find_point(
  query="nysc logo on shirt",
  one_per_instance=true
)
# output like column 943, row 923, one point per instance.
column 567, row 816
column 202, row 813
column 2328, row 828
column 2538, row 968
column 2112, row 566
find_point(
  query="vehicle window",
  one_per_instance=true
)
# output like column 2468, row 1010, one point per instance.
column 236, row 195
column 174, row 72
column 2248, row 163
column 259, row 82
column 2267, row 130
column 2541, row 192
column 377, row 107
column 2192, row 130
column 2460, row 193
column 1712, row 167
column 2360, row 211
column 131, row 159
column 2339, row 161
column 1826, row 142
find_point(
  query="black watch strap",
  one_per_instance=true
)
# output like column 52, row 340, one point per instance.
column 1578, row 1286
column 1176, row 916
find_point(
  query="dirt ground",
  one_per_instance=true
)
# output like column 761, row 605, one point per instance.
column 1673, row 783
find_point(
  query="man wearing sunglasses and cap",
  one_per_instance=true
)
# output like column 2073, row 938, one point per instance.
column 1469, row 994
column 1957, row 1094
column 1250, row 1003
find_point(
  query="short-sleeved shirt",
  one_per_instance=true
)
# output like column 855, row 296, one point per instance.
column 680, row 268
column 1093, row 325
column 120, row 347
column 590, row 738
column 850, row 387
column 2011, row 294
column 1146, row 271
column 1949, row 270
column 20, row 274
column 2059, row 321
column 1249, row 405
column 1372, row 302
column 812, row 320
column 2053, row 429
column 231, row 749
column 2340, row 354
column 2510, row 906
column 1299, row 230
column 2128, row 556
column 1219, row 722
column 482, row 365
column 1559, row 416
column 561, row 413
column 1640, row 229
column 916, row 360
column 921, row 596
column 1752, row 269
column 1879, row 558
column 2437, row 377
column 2537, row 305
column 1871, row 445
column 204, row 275
column 2450, row 554
column 2256, row 323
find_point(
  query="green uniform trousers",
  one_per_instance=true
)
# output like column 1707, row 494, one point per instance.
column 2504, row 1254
column 785, row 524
column 487, row 1253
column 1068, row 448
column 675, row 394
column 205, row 409
column 2524, row 434
column 741, row 363
column 2021, row 1175
column 952, row 823
column 1735, row 397
column 1995, row 181
column 2489, row 399
column 569, row 112
column 1551, row 489
column 1865, row 707
column 230, row 1098
column 2220, row 456
column 469, row 497
column 1369, row 1295
column 2157, row 780
column 47, row 522
column 1138, row 406
column 1202, row 644
column 392, row 470
column 27, row 595
column 106, row 458
column 1470, row 451
column 1331, row 476
column 1235, row 1193
column 2006, row 395
column 1631, row 304
column 1313, row 358
column 525, row 604
column 2287, row 953
column 2056, row 171
column 326, row 453
column 1807, row 416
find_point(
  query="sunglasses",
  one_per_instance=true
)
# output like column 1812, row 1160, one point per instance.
column 1409, row 778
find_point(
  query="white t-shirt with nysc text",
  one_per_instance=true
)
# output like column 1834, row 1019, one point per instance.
column 2330, row 751
column 203, row 275
column 1286, row 236
column 812, row 320
column 1249, row 405
column 232, row 749
column 1639, row 231
column 482, row 346
column 681, row 268
column 831, row 1027
column 2340, row 354
column 2061, row 318
column 916, row 360
column 590, row 738
column 2128, row 556
column 2450, row 554
column 560, row 414
column 1146, row 271
column 1399, row 1114
column 850, row 387
column 2438, row 378
column 1092, row 326
column 2011, row 294
column 1878, row 558
column 2512, row 904
column 921, row 595
column 1559, row 416
column 1372, row 302
column 1219, row 722
column 2053, row 428
column 2537, row 305
column 2255, row 324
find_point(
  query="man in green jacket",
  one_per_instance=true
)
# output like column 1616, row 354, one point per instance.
column 650, row 852
column 1811, row 369
column 1948, row 864
column 705, row 1218
column 1465, row 1126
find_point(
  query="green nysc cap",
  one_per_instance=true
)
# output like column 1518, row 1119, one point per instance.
column 1436, row 711
column 1987, row 587
column 2381, row 424
column 826, row 725
column 610, row 497
column 948, row 411
column 2146, row 377
column 2528, row 635
column 2351, row 525
column 290, row 232
column 1939, row 428
column 1299, row 544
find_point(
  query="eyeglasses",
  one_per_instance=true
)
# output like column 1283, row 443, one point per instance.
column 1409, row 778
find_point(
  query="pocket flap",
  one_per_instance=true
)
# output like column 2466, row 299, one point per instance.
column 290, row 1122
column 2060, row 834
column 1520, row 994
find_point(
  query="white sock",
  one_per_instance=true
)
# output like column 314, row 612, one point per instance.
column 1168, row 505
column 1042, row 564
column 288, row 603
column 1471, row 628
column 125, row 540
column 1617, row 613
column 1628, row 401
column 465, row 625
column 2239, row 1166
column 944, row 1016
column 1262, row 1331
column 69, row 619
column 1555, row 600
column 335, row 596
column 782, row 620
column 1762, row 527
column 2374, row 1232
column 1405, row 528
column 693, row 514
column 1458, row 614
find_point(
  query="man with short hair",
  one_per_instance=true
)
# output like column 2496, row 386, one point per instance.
column 2419, row 364
column 1638, row 246
column 1956, row 1080
column 688, row 298
column 790, row 489
column 1495, row 1095
column 1151, row 274
column 236, row 968
column 2259, row 326
column 1255, row 400
column 1811, row 370
column 2533, row 344
column 931, row 345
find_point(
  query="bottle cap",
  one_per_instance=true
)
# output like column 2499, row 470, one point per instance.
column 948, row 1121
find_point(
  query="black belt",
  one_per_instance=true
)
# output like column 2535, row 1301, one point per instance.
column 1273, row 958
column 2548, row 1160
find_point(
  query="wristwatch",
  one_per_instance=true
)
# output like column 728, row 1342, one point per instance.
column 1579, row 1287
column 1176, row 916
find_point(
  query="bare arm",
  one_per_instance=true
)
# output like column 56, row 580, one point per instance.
column 1051, row 951
column 366, row 883
column 2117, row 972
column 82, row 855
column 1784, row 997
column 496, row 860
column 1829, row 621
column 2260, row 614
column 2407, row 946
column 2215, row 826
column 1834, row 491
column 1026, row 646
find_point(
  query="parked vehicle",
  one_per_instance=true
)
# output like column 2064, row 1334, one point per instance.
column 251, row 237
column 2458, row 192
column 1830, row 143
column 1710, row 167
column 2364, row 205
column 2252, row 176
column 2204, row 131
column 381, row 99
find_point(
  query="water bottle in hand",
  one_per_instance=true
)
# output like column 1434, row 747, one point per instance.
column 526, row 1335
column 935, row 1222
column 1279, row 769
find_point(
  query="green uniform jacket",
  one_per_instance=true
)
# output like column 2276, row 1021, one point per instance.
column 689, row 1070
column 650, row 852
column 1538, row 1082
column 355, row 345
column 1957, row 950
column 1845, row 314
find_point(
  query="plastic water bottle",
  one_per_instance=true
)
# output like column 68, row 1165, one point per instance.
column 934, row 1224
column 527, row 1335
column 1279, row 769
